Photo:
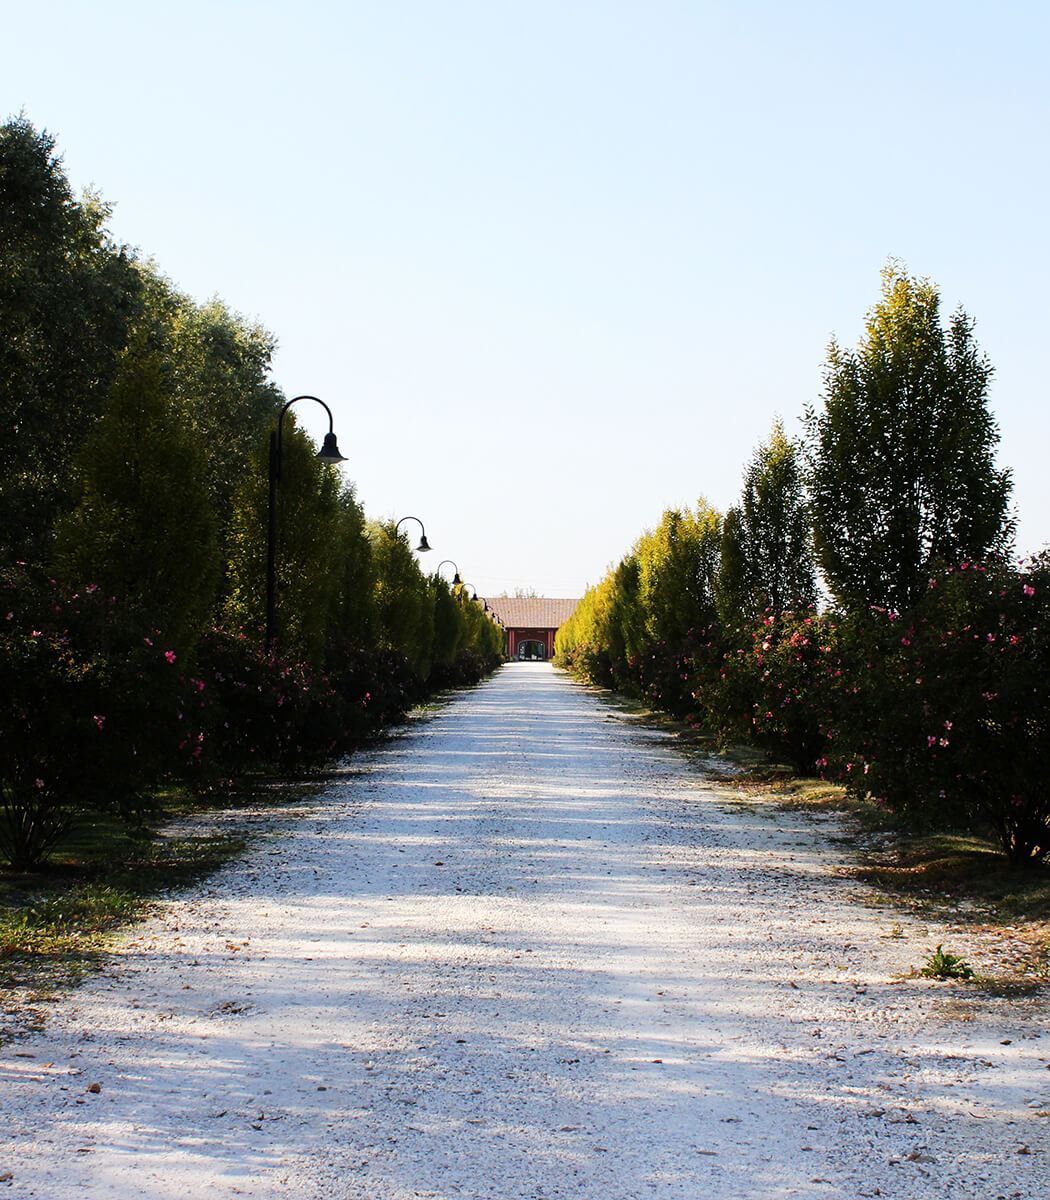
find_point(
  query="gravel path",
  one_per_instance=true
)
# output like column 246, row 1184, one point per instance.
column 520, row 953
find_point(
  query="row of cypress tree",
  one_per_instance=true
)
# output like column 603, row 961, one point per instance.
column 134, row 429
column 858, row 612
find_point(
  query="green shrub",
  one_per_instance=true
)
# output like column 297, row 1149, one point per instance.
column 952, row 710
column 94, row 712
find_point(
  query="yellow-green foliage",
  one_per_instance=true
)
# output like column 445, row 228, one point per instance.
column 677, row 563
column 404, row 599
column 658, row 594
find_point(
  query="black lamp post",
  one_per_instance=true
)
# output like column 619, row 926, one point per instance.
column 329, row 453
column 473, row 589
column 456, row 581
column 424, row 545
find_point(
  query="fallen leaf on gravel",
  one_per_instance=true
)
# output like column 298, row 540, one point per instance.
column 568, row 1128
column 1023, row 1150
column 233, row 1007
column 94, row 1088
column 7, row 1177
column 919, row 1157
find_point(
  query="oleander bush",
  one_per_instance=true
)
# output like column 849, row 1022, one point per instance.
column 94, row 712
column 951, row 705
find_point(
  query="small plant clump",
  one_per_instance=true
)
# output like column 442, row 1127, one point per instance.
column 942, row 964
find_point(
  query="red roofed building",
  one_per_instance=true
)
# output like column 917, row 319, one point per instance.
column 531, row 623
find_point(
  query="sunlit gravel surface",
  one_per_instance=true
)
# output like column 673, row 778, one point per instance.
column 523, row 952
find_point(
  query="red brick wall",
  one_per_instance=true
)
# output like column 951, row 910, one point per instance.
column 516, row 636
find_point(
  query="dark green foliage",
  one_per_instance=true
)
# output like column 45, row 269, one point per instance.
column 261, row 710
column 770, row 686
column 766, row 555
column 942, row 964
column 901, row 458
column 944, row 714
column 144, row 528
column 217, row 367
column 67, row 300
column 93, row 712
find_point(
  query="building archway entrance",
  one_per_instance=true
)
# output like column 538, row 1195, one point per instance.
column 530, row 649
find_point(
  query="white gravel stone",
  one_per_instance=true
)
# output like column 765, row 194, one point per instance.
column 524, row 952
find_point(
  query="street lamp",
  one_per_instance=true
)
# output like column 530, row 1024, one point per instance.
column 424, row 545
column 473, row 589
column 329, row 453
column 456, row 581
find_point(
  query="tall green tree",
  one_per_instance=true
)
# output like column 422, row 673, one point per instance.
column 901, row 459
column 403, row 598
column 144, row 529
column 677, row 563
column 68, row 297
column 767, row 556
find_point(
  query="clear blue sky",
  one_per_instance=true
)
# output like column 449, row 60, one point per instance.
column 556, row 266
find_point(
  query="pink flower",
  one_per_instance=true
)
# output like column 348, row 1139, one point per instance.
column 990, row 637
column 931, row 741
column 1029, row 590
column 91, row 588
column 148, row 641
column 34, row 633
column 169, row 655
column 39, row 783
column 100, row 722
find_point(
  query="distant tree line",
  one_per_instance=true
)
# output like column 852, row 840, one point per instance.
column 134, row 427
column 858, row 612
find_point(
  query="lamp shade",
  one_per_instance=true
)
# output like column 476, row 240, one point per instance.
column 456, row 581
column 424, row 545
column 329, row 452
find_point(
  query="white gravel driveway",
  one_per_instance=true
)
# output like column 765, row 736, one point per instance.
column 523, row 953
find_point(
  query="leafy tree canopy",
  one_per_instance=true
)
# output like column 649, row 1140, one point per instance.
column 901, row 466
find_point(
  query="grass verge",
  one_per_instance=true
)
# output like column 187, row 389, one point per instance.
column 57, row 924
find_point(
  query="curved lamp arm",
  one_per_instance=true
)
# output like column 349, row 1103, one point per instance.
column 456, row 581
column 424, row 545
column 329, row 452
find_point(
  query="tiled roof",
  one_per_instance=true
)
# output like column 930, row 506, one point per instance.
column 538, row 612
